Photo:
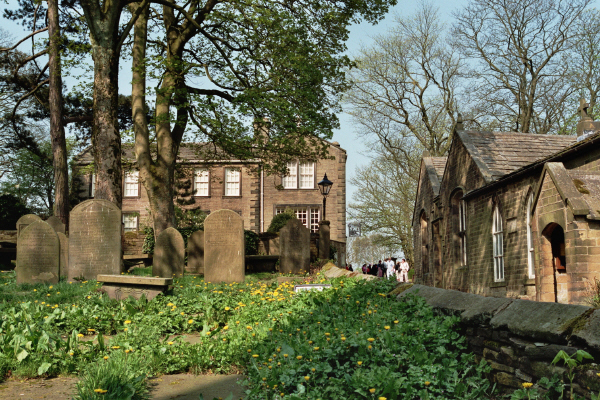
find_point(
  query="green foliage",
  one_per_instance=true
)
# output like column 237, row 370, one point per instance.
column 120, row 376
column 552, row 389
column 11, row 209
column 571, row 362
column 280, row 220
column 252, row 240
column 149, row 241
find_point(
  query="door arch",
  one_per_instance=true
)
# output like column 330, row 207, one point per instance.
column 554, row 265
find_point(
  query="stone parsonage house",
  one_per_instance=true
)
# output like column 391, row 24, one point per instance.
column 234, row 185
column 511, row 214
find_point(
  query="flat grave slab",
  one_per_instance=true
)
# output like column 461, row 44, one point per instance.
column 303, row 288
column 122, row 286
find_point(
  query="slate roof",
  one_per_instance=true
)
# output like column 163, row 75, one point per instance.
column 500, row 153
column 580, row 190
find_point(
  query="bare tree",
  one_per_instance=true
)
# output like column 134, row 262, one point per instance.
column 403, row 102
column 518, row 74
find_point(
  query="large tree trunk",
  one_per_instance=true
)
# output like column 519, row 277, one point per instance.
column 57, row 130
column 157, row 177
column 106, row 141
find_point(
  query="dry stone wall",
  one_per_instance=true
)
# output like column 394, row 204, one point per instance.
column 520, row 338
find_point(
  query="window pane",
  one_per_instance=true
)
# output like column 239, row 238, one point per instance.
column 307, row 175
column 129, row 222
column 201, row 182
column 131, row 184
column 232, row 182
column 291, row 181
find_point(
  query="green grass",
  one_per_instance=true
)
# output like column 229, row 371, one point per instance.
column 73, row 328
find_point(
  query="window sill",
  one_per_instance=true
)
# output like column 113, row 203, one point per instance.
column 232, row 197
column 299, row 188
column 529, row 281
column 498, row 284
column 204, row 197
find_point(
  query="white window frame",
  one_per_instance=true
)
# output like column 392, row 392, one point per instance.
column 301, row 175
column 132, row 186
column 93, row 186
column 130, row 219
column 462, row 231
column 530, row 247
column 498, row 244
column 310, row 216
column 201, row 182
column 233, row 186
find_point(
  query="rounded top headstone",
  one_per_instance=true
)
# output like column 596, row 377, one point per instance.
column 26, row 220
column 97, row 202
column 56, row 223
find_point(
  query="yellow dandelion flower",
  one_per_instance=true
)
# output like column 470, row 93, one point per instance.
column 100, row 390
column 127, row 322
column 382, row 398
column 527, row 385
column 285, row 355
column 170, row 343
column 80, row 335
column 227, row 308
column 254, row 355
column 91, row 330
column 371, row 339
column 106, row 357
column 190, row 321
column 427, row 383
column 116, row 347
column 386, row 327
column 307, row 378
column 359, row 363
column 372, row 390
column 299, row 357
column 316, row 348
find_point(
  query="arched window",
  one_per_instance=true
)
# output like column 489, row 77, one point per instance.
column 530, row 249
column 498, row 241
column 459, row 222
column 424, row 245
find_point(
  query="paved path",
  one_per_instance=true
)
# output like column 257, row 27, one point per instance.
column 166, row 387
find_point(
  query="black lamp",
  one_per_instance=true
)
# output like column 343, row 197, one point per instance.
column 325, row 187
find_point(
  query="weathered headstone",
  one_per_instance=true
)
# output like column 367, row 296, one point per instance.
column 56, row 223
column 294, row 245
column 64, row 253
column 94, row 239
column 224, row 248
column 169, row 254
column 24, row 221
column 195, row 251
column 38, row 254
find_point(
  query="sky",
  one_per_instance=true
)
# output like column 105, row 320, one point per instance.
column 360, row 35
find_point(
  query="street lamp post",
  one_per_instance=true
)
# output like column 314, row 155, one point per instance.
column 325, row 187
column 324, row 238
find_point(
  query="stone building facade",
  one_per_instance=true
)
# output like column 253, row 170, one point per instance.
column 240, row 186
column 511, row 215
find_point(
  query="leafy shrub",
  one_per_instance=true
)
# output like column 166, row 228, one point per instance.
column 592, row 293
column 11, row 209
column 280, row 220
column 252, row 240
column 117, row 377
column 188, row 222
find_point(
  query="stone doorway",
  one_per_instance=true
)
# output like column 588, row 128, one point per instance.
column 554, row 279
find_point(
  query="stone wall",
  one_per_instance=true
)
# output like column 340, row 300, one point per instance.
column 520, row 338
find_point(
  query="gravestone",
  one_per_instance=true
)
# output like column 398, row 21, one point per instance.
column 24, row 221
column 64, row 253
column 169, row 254
column 324, row 240
column 38, row 254
column 57, row 224
column 94, row 239
column 224, row 248
column 294, row 247
column 195, row 251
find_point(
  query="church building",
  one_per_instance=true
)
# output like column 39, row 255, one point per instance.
column 510, row 214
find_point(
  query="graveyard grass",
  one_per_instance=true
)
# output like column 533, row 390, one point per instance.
column 353, row 341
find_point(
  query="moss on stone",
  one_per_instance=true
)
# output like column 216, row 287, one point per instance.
column 400, row 288
column 492, row 344
column 576, row 324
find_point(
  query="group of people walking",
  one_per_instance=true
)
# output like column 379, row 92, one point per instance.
column 388, row 269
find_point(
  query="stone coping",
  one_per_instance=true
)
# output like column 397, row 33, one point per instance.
column 135, row 280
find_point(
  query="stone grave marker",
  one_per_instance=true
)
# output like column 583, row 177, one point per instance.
column 195, row 251
column 294, row 247
column 94, row 239
column 169, row 254
column 64, row 253
column 24, row 221
column 38, row 254
column 224, row 247
column 57, row 224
